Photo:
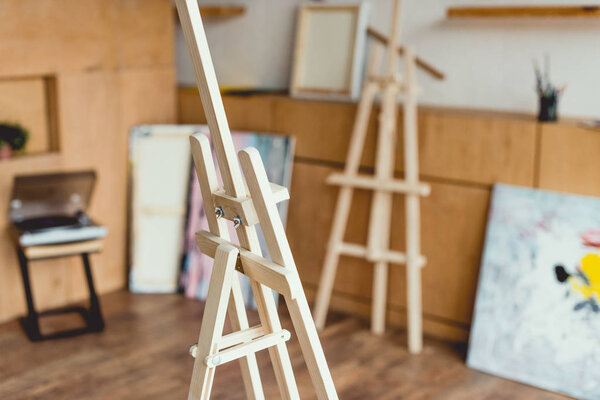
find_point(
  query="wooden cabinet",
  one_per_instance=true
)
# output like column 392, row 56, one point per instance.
column 480, row 148
column 462, row 154
column 570, row 159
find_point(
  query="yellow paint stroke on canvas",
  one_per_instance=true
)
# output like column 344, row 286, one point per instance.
column 590, row 267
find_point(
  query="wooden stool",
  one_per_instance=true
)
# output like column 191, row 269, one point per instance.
column 91, row 315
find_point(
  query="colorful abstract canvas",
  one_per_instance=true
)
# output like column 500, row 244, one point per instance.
column 277, row 155
column 537, row 314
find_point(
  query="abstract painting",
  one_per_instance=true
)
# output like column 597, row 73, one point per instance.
column 537, row 314
column 277, row 154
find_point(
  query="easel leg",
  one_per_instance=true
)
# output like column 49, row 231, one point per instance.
column 378, row 242
column 213, row 320
column 281, row 253
column 239, row 321
column 280, row 358
column 207, row 177
column 311, row 347
column 269, row 317
column 413, row 219
column 378, row 305
column 344, row 201
column 342, row 211
column 413, row 275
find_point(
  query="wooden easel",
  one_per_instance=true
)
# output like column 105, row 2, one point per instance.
column 224, row 295
column 383, row 186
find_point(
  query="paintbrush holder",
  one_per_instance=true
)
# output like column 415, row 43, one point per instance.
column 548, row 108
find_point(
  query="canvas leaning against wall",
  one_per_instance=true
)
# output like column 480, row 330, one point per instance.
column 277, row 153
column 160, row 159
column 537, row 314
column 167, row 210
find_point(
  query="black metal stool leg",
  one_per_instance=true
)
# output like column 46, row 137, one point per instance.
column 91, row 315
column 30, row 322
column 94, row 317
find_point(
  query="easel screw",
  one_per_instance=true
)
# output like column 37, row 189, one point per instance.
column 219, row 212
column 237, row 221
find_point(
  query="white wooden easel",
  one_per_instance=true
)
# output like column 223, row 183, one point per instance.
column 245, row 210
column 383, row 186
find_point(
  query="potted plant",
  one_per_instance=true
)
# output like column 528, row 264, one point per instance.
column 13, row 137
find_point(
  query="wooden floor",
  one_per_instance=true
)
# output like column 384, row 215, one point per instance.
column 143, row 354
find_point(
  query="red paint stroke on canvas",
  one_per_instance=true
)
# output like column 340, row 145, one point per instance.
column 591, row 238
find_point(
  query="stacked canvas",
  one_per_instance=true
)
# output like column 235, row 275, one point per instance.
column 277, row 154
column 167, row 207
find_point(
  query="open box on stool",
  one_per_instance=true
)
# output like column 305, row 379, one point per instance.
column 49, row 220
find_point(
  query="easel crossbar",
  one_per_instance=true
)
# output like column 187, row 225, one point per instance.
column 244, row 349
column 283, row 280
column 372, row 183
column 234, row 207
column 242, row 336
column 236, row 338
column 390, row 256
column 240, row 344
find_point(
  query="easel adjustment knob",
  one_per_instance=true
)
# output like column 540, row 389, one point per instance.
column 237, row 222
column 193, row 350
column 219, row 212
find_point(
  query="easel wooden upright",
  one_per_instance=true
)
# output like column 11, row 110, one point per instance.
column 383, row 186
column 224, row 295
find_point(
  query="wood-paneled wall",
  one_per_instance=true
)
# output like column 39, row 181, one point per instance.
column 113, row 67
column 462, row 154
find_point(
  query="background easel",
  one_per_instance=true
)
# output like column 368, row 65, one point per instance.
column 383, row 186
column 246, row 210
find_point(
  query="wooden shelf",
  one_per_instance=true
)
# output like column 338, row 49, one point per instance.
column 524, row 11
column 222, row 11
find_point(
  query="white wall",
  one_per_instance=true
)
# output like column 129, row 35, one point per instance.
column 253, row 50
column 488, row 62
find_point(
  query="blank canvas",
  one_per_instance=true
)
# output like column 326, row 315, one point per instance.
column 161, row 160
column 329, row 51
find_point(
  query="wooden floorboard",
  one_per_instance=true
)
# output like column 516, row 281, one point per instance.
column 143, row 354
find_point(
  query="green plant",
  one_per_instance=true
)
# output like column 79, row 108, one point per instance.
column 14, row 135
